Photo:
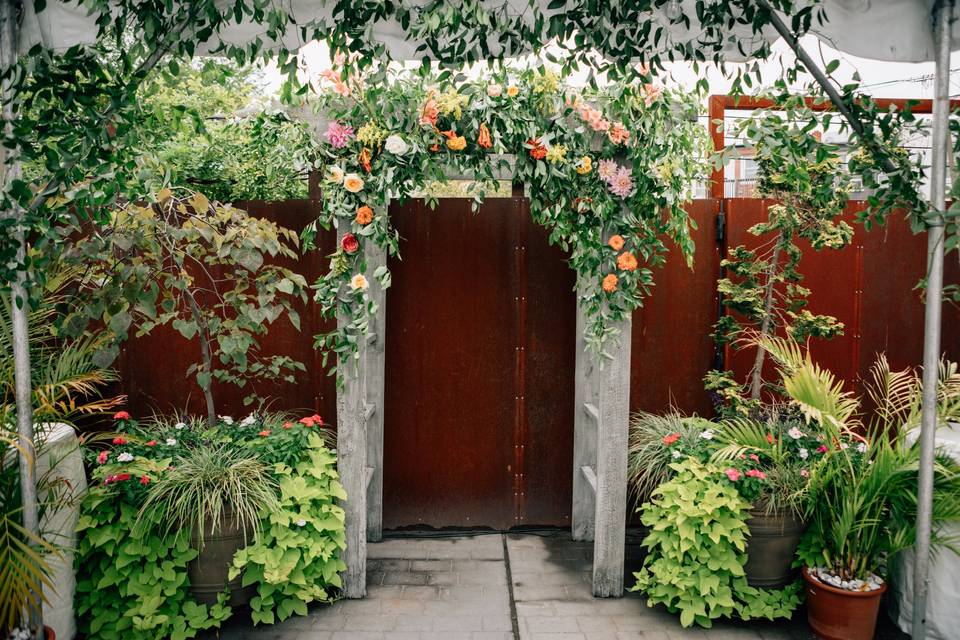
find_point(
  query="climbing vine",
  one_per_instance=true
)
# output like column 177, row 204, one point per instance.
column 607, row 173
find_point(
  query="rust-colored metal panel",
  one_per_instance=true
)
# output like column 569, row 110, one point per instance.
column 894, row 261
column 451, row 399
column 672, row 348
column 550, row 326
column 153, row 367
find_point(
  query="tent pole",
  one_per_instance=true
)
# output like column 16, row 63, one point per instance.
column 23, row 388
column 943, row 16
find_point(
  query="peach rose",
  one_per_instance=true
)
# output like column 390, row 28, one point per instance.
column 513, row 90
column 352, row 183
column 458, row 143
column 610, row 283
column 626, row 261
column 364, row 215
column 616, row 242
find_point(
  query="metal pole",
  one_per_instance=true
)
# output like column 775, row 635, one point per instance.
column 23, row 387
column 942, row 19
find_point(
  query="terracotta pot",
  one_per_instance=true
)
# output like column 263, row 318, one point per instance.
column 208, row 571
column 49, row 633
column 771, row 547
column 837, row 614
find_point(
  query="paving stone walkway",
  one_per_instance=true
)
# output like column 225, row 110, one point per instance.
column 458, row 589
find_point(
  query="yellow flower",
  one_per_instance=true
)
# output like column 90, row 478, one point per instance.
column 458, row 143
column 359, row 282
column 452, row 103
column 585, row 165
column 352, row 183
column 513, row 90
column 371, row 134
column 547, row 83
column 556, row 153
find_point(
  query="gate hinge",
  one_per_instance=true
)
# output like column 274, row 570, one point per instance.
column 721, row 226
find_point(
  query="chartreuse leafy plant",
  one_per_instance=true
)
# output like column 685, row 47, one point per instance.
column 697, row 550
column 607, row 172
column 132, row 573
column 203, row 268
column 295, row 559
column 134, row 580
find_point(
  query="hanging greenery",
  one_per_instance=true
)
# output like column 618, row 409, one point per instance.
column 607, row 173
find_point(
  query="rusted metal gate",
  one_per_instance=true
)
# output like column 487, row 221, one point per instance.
column 480, row 348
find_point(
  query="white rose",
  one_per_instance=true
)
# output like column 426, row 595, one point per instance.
column 360, row 282
column 125, row 457
column 494, row 90
column 335, row 175
column 396, row 145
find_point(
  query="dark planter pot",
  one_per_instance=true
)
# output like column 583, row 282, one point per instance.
column 208, row 571
column 837, row 614
column 49, row 633
column 771, row 547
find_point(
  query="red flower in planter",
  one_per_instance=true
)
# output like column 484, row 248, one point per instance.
column 264, row 433
column 770, row 438
column 349, row 243
column 670, row 439
column 312, row 421
column 288, row 425
column 144, row 480
column 152, row 443
column 102, row 457
column 121, row 415
column 119, row 440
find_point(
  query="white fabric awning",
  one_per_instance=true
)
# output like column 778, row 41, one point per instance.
column 890, row 30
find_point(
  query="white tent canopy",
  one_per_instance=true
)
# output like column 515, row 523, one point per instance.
column 889, row 30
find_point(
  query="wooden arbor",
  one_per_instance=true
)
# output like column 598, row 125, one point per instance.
column 599, row 458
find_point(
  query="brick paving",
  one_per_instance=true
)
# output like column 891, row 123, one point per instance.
column 457, row 589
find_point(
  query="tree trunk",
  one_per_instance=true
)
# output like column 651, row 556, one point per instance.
column 766, row 324
column 206, row 354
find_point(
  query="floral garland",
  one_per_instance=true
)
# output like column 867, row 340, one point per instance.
column 607, row 172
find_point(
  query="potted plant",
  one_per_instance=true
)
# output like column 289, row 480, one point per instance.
column 864, row 500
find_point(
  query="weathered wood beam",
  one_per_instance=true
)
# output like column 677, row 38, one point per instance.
column 374, row 362
column 583, row 510
column 613, row 405
column 352, row 466
column 591, row 477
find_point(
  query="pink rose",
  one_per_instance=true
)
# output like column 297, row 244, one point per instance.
column 349, row 243
column 733, row 474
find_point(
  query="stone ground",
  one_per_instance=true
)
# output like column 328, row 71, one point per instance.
column 458, row 588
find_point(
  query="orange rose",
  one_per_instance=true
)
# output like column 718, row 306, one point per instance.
column 610, row 283
column 364, row 215
column 483, row 140
column 459, row 143
column 626, row 261
column 364, row 159
column 616, row 242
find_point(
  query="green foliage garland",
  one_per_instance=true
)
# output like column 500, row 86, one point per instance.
column 697, row 544
column 607, row 174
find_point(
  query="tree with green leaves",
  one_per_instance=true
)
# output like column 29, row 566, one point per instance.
column 201, row 267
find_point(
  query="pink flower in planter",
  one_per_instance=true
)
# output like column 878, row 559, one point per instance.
column 822, row 448
column 733, row 474
column 151, row 443
column 144, row 480
column 264, row 433
column 804, row 473
column 119, row 440
column 756, row 473
column 755, row 457
column 121, row 415
column 102, row 457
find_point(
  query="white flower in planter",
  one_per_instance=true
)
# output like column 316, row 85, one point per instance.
column 676, row 453
column 707, row 435
column 301, row 522
column 226, row 419
column 804, row 454
column 396, row 145
column 125, row 457
column 180, row 426
column 171, row 442
column 862, row 447
column 249, row 420
column 795, row 433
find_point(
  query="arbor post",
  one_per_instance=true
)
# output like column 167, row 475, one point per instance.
column 585, row 417
column 376, row 258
